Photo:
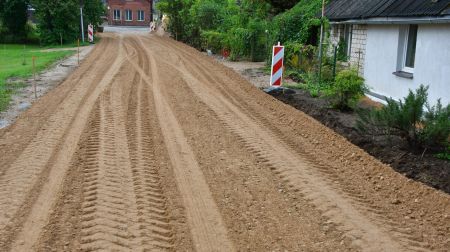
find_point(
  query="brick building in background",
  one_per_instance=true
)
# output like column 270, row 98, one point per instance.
column 129, row 12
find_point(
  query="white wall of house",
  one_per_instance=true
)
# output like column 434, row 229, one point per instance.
column 432, row 62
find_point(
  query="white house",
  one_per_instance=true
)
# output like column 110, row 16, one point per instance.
column 397, row 45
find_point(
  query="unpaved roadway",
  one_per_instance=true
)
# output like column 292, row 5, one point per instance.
column 149, row 145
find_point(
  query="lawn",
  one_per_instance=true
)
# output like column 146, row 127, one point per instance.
column 16, row 61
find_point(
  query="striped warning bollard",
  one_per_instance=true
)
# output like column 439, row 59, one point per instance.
column 277, row 65
column 91, row 33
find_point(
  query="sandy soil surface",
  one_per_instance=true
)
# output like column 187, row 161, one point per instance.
column 158, row 147
column 127, row 29
column 45, row 81
column 251, row 71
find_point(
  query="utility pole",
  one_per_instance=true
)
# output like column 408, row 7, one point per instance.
column 321, row 40
column 81, row 19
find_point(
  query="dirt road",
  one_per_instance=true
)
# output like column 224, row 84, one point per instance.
column 150, row 145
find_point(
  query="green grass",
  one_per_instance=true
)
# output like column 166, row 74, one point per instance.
column 295, row 86
column 15, row 61
column 444, row 155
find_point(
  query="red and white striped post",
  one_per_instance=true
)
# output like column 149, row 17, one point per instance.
column 277, row 65
column 91, row 33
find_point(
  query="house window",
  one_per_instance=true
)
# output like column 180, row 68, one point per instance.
column 410, row 48
column 348, row 30
column 141, row 16
column 345, row 42
column 128, row 15
column 116, row 14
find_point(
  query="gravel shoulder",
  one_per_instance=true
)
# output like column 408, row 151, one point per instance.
column 45, row 81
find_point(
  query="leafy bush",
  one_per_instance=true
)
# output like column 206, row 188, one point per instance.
column 299, row 56
column 342, row 51
column 238, row 42
column 445, row 154
column 61, row 18
column 32, row 33
column 13, row 16
column 208, row 14
column 299, row 23
column 257, row 39
column 313, row 85
column 241, row 25
column 347, row 89
column 408, row 119
column 294, row 75
column 436, row 129
column 214, row 40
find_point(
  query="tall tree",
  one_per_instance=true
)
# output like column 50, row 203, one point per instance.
column 13, row 14
column 61, row 18
column 93, row 11
column 57, row 19
column 282, row 5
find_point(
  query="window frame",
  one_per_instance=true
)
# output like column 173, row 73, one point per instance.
column 141, row 15
column 348, row 37
column 345, row 36
column 115, row 16
column 128, row 15
column 406, row 41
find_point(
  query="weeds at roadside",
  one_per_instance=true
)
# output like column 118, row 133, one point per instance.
column 444, row 155
column 7, row 90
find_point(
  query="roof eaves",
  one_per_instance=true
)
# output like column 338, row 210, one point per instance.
column 396, row 20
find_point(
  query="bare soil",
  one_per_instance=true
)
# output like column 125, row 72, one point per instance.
column 158, row 147
column 412, row 163
column 394, row 151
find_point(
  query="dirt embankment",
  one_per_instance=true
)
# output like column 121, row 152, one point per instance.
column 414, row 164
column 158, row 147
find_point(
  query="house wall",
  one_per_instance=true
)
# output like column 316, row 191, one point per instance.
column 357, row 48
column 134, row 6
column 432, row 62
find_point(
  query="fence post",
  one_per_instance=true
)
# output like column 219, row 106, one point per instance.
column 24, row 62
column 78, row 51
column 359, row 59
column 334, row 61
column 34, row 77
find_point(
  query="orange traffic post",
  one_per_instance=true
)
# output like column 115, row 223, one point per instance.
column 78, row 51
column 34, row 77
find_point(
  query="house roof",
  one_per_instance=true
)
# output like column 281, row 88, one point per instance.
column 361, row 9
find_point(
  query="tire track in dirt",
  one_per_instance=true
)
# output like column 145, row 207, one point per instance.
column 377, row 215
column 153, row 219
column 20, row 179
column 295, row 171
column 367, row 206
column 205, row 222
column 113, row 212
column 122, row 203
column 109, row 210
column 42, row 109
column 38, row 216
